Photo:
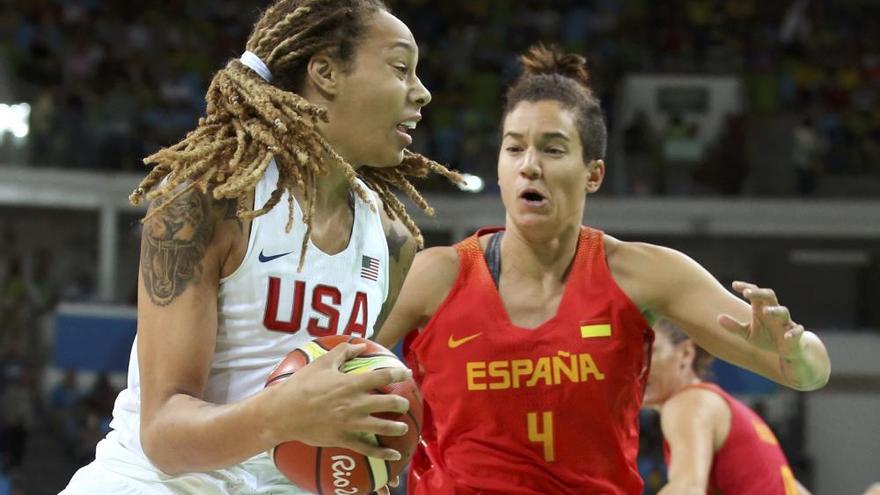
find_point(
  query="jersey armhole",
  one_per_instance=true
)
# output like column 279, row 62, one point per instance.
column 252, row 235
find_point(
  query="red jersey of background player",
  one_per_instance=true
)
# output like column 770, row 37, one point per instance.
column 750, row 460
column 552, row 409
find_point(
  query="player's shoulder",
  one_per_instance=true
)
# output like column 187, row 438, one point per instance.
column 391, row 225
column 697, row 410
column 441, row 261
column 648, row 266
column 433, row 275
column 642, row 253
column 198, row 216
column 696, row 401
column 192, row 212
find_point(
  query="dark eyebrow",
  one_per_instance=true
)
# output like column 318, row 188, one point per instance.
column 402, row 44
column 555, row 135
column 546, row 136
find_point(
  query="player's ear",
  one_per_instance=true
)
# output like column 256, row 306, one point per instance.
column 688, row 353
column 595, row 176
column 322, row 72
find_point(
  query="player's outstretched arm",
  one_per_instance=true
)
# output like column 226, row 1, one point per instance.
column 756, row 333
column 183, row 248
column 427, row 284
column 690, row 422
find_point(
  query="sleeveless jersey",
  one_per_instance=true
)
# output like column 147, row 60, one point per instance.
column 552, row 409
column 266, row 308
column 750, row 460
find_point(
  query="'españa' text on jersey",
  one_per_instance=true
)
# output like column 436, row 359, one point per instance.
column 552, row 409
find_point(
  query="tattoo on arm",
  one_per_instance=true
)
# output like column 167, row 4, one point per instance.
column 173, row 245
column 396, row 241
column 403, row 256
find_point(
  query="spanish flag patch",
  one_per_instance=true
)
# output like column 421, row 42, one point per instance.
column 596, row 330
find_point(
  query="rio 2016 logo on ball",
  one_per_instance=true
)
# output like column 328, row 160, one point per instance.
column 336, row 470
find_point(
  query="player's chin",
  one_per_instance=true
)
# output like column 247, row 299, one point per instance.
column 533, row 220
column 391, row 158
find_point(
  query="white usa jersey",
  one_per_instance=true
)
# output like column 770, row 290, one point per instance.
column 266, row 308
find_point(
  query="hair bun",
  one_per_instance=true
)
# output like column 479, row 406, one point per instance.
column 544, row 59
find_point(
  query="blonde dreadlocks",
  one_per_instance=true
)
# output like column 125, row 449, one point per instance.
column 249, row 122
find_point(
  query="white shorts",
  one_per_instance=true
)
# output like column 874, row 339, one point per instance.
column 117, row 470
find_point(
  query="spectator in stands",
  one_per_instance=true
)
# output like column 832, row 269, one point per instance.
column 15, row 312
column 64, row 403
column 726, row 166
column 101, row 398
column 17, row 414
column 72, row 79
column 638, row 146
column 680, row 153
column 805, row 153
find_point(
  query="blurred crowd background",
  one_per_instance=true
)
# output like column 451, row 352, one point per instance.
column 107, row 83
column 111, row 82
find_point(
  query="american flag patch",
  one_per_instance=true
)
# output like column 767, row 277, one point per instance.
column 369, row 268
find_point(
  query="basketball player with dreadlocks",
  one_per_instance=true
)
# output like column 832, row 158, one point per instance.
column 271, row 223
column 533, row 341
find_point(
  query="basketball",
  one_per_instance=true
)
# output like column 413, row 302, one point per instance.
column 335, row 470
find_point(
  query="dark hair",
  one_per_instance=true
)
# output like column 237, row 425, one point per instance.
column 702, row 359
column 551, row 74
column 250, row 121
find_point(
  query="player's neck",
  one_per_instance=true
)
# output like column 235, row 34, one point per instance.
column 332, row 193
column 684, row 385
column 536, row 257
column 688, row 382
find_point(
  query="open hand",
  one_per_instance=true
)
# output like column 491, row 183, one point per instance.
column 771, row 327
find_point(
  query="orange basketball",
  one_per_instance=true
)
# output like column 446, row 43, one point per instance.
column 340, row 471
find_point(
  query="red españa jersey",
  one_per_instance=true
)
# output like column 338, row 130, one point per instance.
column 750, row 461
column 552, row 409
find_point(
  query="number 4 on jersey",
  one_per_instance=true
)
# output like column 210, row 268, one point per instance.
column 542, row 433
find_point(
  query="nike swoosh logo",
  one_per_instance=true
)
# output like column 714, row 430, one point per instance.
column 266, row 259
column 455, row 343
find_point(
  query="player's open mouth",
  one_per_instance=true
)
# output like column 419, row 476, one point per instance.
column 407, row 126
column 404, row 128
column 533, row 198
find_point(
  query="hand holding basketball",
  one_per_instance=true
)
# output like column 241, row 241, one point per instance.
column 367, row 415
column 340, row 405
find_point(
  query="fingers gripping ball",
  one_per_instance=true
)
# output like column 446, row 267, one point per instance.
column 340, row 471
